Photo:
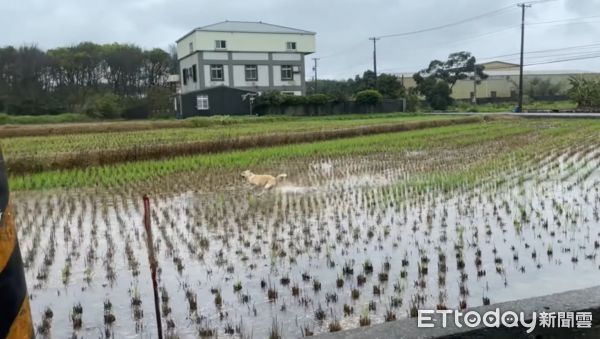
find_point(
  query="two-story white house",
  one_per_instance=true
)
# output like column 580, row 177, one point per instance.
column 223, row 65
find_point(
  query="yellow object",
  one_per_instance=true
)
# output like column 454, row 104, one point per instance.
column 15, row 313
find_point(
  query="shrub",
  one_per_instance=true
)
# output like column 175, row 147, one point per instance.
column 160, row 102
column 135, row 108
column 412, row 100
column 338, row 97
column 269, row 98
column 318, row 99
column 106, row 106
column 369, row 97
column 439, row 96
column 294, row 100
column 585, row 92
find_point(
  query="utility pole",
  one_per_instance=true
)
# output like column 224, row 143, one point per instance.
column 523, row 6
column 474, row 99
column 315, row 69
column 375, row 57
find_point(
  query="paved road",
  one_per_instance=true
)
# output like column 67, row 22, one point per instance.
column 531, row 115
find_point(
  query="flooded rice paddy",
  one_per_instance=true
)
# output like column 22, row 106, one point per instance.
column 344, row 243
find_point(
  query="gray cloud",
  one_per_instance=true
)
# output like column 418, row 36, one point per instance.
column 343, row 26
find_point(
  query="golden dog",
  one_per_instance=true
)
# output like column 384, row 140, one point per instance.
column 264, row 181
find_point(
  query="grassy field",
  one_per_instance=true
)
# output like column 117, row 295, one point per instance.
column 529, row 135
column 6, row 119
column 32, row 154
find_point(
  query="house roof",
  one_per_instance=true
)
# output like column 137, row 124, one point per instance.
column 497, row 62
column 248, row 27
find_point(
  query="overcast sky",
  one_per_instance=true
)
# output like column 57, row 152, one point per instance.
column 342, row 26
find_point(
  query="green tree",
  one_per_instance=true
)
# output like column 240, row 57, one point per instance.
column 458, row 67
column 536, row 88
column 369, row 97
column 436, row 91
column 585, row 92
column 105, row 106
column 390, row 86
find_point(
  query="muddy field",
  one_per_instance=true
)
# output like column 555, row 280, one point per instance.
column 345, row 242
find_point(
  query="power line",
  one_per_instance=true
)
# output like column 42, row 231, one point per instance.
column 565, row 60
column 572, row 56
column 544, row 51
column 474, row 18
column 552, row 56
column 562, row 20
column 478, row 36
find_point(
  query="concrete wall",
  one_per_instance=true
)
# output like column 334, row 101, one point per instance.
column 582, row 300
column 269, row 71
column 246, row 42
column 187, row 63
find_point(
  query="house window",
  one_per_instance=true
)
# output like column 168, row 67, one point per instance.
column 291, row 46
column 493, row 94
column 202, row 102
column 287, row 72
column 251, row 73
column 185, row 76
column 220, row 44
column 216, row 72
column 194, row 73
column 289, row 94
column 191, row 47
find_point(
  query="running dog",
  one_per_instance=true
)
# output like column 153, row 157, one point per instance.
column 264, row 181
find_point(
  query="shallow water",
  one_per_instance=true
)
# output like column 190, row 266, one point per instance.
column 329, row 215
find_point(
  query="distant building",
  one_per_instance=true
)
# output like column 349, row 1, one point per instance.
column 502, row 83
column 222, row 66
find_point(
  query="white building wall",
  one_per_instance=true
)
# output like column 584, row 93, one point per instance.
column 187, row 63
column 239, row 76
column 287, row 56
column 216, row 56
column 183, row 49
column 247, row 42
column 250, row 56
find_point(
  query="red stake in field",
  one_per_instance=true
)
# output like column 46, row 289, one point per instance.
column 153, row 262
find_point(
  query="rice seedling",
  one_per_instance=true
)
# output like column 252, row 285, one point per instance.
column 443, row 201
column 335, row 326
column 365, row 319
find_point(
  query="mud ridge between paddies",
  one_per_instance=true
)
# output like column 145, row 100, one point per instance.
column 101, row 157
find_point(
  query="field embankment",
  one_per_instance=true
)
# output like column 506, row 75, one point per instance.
column 73, row 124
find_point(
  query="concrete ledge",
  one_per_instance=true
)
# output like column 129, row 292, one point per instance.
column 573, row 301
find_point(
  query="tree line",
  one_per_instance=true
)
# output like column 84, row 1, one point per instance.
column 69, row 79
column 388, row 85
column 433, row 83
